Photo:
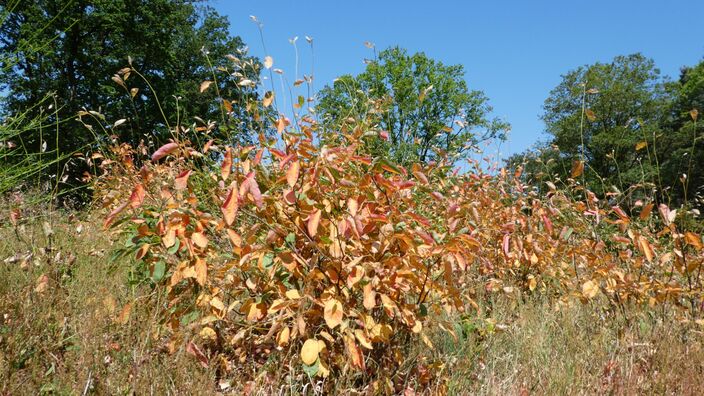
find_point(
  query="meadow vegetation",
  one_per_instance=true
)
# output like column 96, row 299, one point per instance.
column 337, row 248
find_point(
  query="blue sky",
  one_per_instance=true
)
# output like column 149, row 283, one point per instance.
column 514, row 51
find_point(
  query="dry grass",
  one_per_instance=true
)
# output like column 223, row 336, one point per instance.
column 64, row 340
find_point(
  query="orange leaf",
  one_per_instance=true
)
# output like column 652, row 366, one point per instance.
column 313, row 221
column 646, row 248
column 646, row 211
column 292, row 174
column 333, row 313
column 230, row 206
column 694, row 240
column 577, row 168
column 354, row 352
column 201, row 271
column 226, row 166
column 137, row 197
column 181, row 182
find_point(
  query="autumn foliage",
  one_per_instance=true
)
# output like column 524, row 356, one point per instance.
column 334, row 260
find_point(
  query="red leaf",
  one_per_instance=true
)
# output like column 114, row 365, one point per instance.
column 164, row 150
column 137, row 196
column 193, row 349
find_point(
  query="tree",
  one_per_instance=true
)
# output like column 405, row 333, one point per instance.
column 606, row 114
column 72, row 50
column 425, row 107
column 683, row 144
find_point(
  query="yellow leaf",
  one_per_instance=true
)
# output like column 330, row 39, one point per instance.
column 363, row 339
column 268, row 62
column 208, row 334
column 333, row 313
column 205, row 85
column 199, row 239
column 532, row 283
column 590, row 115
column 293, row 294
column 268, row 98
column 283, row 337
column 590, row 289
column 309, row 352
column 641, row 145
column 694, row 113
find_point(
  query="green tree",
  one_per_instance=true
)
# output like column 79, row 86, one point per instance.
column 683, row 144
column 607, row 114
column 71, row 49
column 425, row 107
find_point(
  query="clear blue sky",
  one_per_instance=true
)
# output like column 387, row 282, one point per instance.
column 514, row 51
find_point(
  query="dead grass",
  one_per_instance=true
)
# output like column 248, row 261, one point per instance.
column 64, row 339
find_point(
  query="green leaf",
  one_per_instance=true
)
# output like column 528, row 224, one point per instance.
column 159, row 271
column 313, row 369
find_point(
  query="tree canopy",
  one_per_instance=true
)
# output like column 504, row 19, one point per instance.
column 73, row 49
column 424, row 105
column 631, row 126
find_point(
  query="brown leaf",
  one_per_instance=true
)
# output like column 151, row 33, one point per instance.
column 42, row 283
column 193, row 349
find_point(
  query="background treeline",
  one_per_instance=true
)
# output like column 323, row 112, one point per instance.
column 637, row 132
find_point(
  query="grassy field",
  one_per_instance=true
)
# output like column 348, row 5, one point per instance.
column 62, row 332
